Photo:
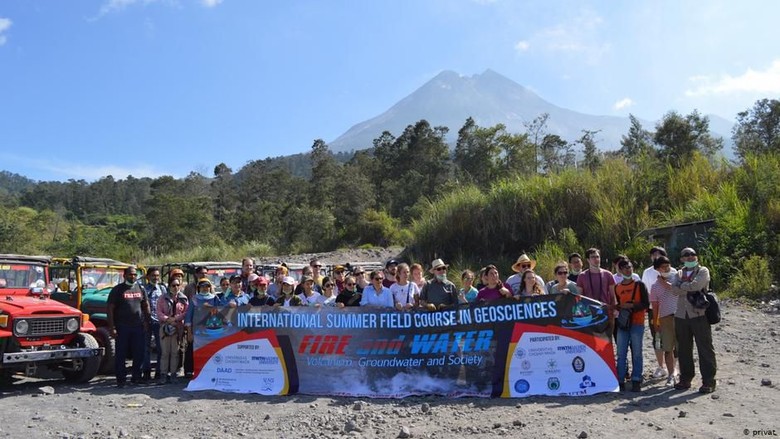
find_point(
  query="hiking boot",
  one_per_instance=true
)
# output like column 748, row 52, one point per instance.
column 683, row 385
column 636, row 386
column 707, row 388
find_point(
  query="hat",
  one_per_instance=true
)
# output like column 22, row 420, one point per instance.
column 282, row 269
column 687, row 250
column 358, row 270
column 436, row 264
column 288, row 280
column 523, row 259
column 338, row 268
column 252, row 277
column 204, row 281
column 176, row 271
column 261, row 280
column 306, row 278
column 391, row 262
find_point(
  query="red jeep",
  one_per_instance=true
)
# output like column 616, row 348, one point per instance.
column 38, row 331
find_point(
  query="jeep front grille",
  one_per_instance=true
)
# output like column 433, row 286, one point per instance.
column 40, row 327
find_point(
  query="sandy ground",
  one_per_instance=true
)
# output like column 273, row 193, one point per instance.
column 744, row 405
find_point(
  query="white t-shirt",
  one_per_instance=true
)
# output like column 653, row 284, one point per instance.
column 406, row 294
column 514, row 281
column 649, row 276
column 312, row 300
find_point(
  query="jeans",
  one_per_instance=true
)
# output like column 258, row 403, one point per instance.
column 129, row 339
column 634, row 336
column 154, row 332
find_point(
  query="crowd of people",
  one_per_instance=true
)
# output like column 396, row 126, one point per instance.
column 140, row 313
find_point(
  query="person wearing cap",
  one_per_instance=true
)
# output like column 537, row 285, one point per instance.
column 204, row 297
column 515, row 281
column 439, row 293
column 128, row 317
column 339, row 272
column 376, row 294
column 391, row 267
column 286, row 296
column 307, row 271
column 260, row 296
column 649, row 277
column 691, row 325
column 308, row 296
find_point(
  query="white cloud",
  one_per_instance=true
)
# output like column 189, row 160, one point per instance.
column 5, row 24
column 210, row 3
column 522, row 46
column 752, row 81
column 623, row 103
column 579, row 36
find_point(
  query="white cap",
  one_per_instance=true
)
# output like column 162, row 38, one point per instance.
column 288, row 280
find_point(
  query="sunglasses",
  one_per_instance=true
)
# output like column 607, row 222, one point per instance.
column 380, row 279
column 349, row 284
column 359, row 273
column 440, row 269
column 685, row 255
column 563, row 272
column 328, row 285
column 525, row 266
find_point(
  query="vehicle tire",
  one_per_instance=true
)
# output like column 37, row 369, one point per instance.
column 104, row 339
column 89, row 366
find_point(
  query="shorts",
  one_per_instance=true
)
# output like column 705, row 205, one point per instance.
column 666, row 332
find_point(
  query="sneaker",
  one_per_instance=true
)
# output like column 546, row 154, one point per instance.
column 670, row 380
column 659, row 373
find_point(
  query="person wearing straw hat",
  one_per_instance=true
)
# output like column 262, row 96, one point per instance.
column 439, row 293
column 515, row 281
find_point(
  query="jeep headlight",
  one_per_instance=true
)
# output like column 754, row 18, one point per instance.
column 72, row 325
column 21, row 327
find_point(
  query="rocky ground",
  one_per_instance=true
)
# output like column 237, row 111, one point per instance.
column 744, row 405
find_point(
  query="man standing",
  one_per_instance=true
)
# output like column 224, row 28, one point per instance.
column 631, row 295
column 247, row 268
column 439, row 293
column 154, row 290
column 128, row 311
column 690, row 323
column 391, row 267
column 649, row 277
column 598, row 284
column 575, row 266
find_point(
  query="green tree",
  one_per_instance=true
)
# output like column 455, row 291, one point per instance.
column 325, row 172
column 225, row 198
column 537, row 130
column 680, row 136
column 477, row 152
column 637, row 143
column 556, row 154
column 591, row 158
column 758, row 129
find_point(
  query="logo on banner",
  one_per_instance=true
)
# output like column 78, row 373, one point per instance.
column 587, row 382
column 578, row 364
column 572, row 349
column 522, row 386
column 553, row 383
column 525, row 365
column 551, row 363
column 267, row 383
column 519, row 353
column 218, row 358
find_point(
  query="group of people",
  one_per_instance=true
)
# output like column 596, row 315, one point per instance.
column 141, row 311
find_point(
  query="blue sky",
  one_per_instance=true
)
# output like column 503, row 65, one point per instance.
column 164, row 87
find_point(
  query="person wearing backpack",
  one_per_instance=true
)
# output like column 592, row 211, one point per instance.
column 691, row 324
column 632, row 301
column 171, row 309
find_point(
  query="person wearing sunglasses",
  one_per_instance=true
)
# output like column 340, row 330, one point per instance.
column 328, row 297
column 561, row 284
column 349, row 296
column 376, row 294
column 515, row 281
column 439, row 292
column 404, row 291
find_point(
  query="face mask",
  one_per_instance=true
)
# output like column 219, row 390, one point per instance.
column 441, row 277
column 691, row 264
column 666, row 275
column 626, row 278
column 575, row 272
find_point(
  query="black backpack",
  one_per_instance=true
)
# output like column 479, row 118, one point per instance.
column 713, row 310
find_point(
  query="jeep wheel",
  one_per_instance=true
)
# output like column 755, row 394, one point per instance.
column 105, row 341
column 84, row 369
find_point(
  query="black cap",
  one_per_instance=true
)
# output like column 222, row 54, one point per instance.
column 658, row 250
column 391, row 262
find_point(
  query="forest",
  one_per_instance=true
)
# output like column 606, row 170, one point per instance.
column 494, row 195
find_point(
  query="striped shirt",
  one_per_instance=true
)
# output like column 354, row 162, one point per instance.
column 667, row 301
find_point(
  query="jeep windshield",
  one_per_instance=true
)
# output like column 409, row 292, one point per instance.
column 93, row 279
column 21, row 276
